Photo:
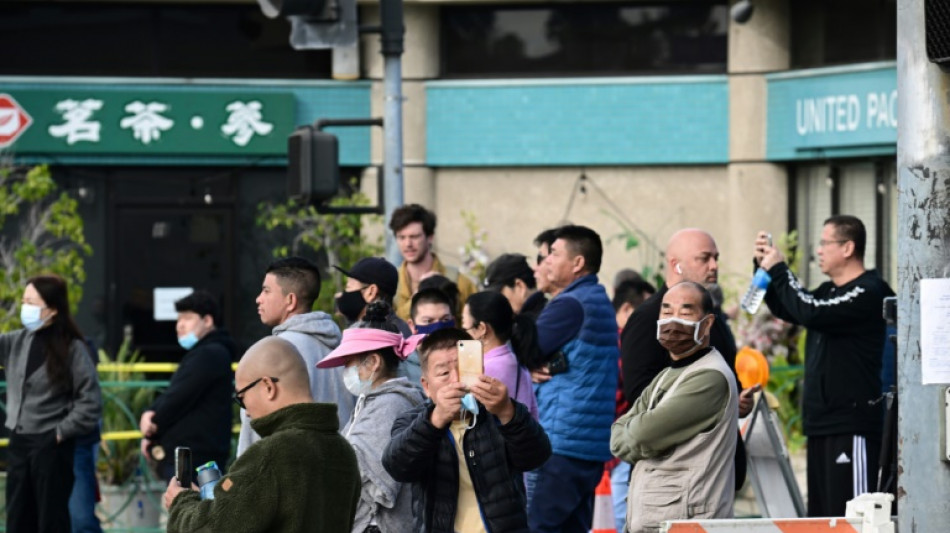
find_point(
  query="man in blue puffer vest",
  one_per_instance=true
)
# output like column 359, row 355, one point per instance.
column 577, row 333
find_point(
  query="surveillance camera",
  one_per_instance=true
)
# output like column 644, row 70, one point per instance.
column 741, row 11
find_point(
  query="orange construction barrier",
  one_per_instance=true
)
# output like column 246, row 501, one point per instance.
column 603, row 507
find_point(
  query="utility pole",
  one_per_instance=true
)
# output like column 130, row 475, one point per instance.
column 391, row 46
column 320, row 24
column 923, row 251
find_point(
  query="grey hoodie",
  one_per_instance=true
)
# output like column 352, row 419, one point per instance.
column 383, row 498
column 314, row 335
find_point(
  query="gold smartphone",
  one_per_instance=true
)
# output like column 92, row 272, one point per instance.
column 470, row 361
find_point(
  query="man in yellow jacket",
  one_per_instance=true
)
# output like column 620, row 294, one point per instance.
column 414, row 229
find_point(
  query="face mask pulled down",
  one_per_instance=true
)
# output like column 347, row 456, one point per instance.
column 469, row 405
column 679, row 336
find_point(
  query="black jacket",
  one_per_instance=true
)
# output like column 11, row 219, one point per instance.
column 843, row 350
column 496, row 455
column 195, row 409
column 643, row 357
column 533, row 305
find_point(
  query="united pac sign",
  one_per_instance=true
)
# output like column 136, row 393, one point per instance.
column 13, row 120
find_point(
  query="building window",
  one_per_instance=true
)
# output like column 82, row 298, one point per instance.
column 189, row 40
column 866, row 189
column 837, row 32
column 584, row 39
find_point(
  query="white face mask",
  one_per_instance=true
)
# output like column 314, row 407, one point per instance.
column 30, row 316
column 353, row 383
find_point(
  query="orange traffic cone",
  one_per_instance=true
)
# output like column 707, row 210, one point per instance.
column 603, row 507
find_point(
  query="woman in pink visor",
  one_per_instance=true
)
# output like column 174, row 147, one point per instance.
column 371, row 352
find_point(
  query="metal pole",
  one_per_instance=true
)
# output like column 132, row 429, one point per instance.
column 392, row 147
column 923, row 252
column 391, row 46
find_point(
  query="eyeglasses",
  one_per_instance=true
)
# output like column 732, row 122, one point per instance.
column 822, row 243
column 238, row 396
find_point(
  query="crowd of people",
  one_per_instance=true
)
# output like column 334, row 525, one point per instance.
column 373, row 429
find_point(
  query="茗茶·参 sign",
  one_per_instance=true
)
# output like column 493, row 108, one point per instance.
column 146, row 121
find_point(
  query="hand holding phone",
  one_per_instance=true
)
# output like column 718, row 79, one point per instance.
column 471, row 364
column 183, row 466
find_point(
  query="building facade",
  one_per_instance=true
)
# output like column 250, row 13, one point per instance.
column 634, row 118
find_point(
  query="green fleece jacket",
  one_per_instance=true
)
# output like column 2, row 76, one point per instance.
column 302, row 476
column 645, row 431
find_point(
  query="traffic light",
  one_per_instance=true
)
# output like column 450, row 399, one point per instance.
column 313, row 165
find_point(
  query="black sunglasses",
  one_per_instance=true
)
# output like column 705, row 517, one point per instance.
column 238, row 396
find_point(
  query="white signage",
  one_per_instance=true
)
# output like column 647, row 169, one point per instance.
column 164, row 299
column 846, row 112
column 935, row 331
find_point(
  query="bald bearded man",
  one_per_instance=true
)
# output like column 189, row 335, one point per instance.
column 301, row 476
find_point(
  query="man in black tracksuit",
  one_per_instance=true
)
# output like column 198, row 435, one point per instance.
column 470, row 467
column 195, row 410
column 845, row 344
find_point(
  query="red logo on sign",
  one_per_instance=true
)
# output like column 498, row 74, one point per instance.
column 13, row 120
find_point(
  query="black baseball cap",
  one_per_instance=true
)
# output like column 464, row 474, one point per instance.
column 505, row 269
column 374, row 271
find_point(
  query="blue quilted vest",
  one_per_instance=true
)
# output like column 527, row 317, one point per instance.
column 576, row 408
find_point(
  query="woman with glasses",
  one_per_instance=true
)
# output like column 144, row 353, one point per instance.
column 371, row 351
column 506, row 339
column 52, row 397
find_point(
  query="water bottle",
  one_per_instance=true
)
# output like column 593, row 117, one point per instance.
column 756, row 293
column 208, row 476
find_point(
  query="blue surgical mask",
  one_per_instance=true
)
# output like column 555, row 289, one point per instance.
column 469, row 404
column 433, row 327
column 188, row 341
column 30, row 316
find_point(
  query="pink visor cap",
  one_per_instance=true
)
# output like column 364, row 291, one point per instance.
column 362, row 340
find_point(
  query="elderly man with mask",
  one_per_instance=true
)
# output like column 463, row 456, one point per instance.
column 680, row 433
column 691, row 255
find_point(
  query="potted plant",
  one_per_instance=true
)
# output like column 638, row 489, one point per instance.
column 131, row 496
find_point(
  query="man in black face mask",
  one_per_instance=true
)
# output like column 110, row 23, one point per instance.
column 681, row 432
column 371, row 279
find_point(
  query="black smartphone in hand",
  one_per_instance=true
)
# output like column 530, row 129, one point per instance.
column 558, row 363
column 183, row 466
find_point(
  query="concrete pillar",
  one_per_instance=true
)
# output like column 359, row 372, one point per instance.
column 923, row 251
column 758, row 189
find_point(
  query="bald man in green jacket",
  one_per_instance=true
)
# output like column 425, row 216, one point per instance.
column 302, row 476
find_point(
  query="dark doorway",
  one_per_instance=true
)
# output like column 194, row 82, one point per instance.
column 164, row 247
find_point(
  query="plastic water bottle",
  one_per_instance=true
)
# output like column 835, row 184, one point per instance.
column 756, row 293
column 208, row 476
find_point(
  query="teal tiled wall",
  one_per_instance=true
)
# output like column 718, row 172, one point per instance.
column 666, row 120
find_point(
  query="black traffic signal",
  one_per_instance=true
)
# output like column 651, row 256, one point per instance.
column 313, row 165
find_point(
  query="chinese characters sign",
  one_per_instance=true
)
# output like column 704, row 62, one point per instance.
column 147, row 122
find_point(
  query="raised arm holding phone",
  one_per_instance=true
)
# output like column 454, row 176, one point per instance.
column 493, row 432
